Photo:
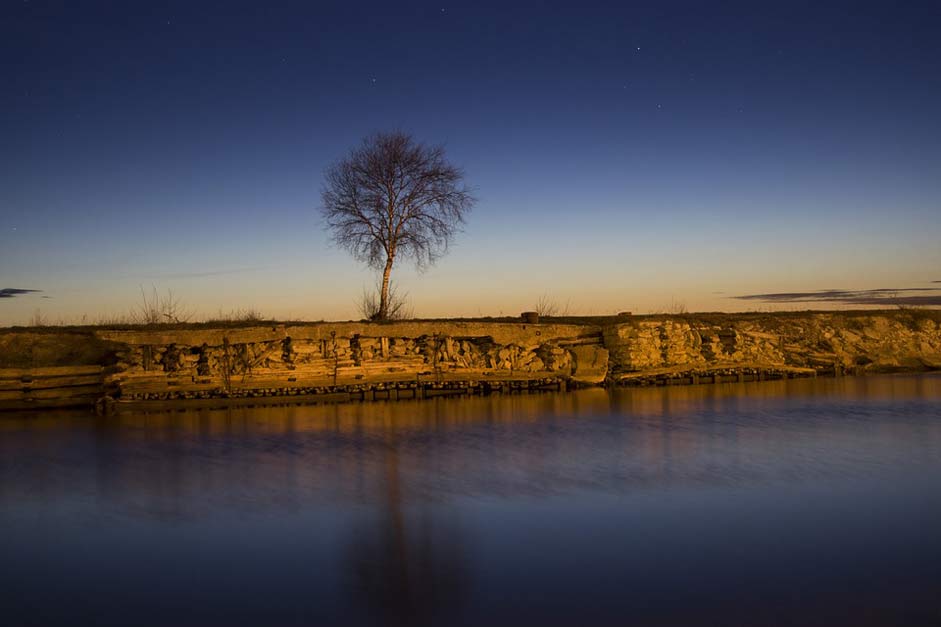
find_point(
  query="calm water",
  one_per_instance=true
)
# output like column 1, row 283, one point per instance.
column 800, row 502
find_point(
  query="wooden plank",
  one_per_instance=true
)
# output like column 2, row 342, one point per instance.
column 54, row 403
column 284, row 375
column 56, row 371
column 93, row 391
column 90, row 393
column 351, row 377
column 142, row 374
column 300, row 399
column 157, row 389
column 151, row 381
column 63, row 382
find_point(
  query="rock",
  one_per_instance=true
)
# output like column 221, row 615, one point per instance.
column 591, row 364
column 172, row 359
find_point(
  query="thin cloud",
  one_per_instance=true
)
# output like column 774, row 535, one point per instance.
column 10, row 292
column 882, row 296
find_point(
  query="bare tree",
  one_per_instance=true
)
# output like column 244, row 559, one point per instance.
column 394, row 197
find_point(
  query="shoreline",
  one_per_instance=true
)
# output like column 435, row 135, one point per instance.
column 368, row 393
column 359, row 361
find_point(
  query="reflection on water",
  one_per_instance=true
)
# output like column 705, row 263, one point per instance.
column 808, row 502
column 406, row 572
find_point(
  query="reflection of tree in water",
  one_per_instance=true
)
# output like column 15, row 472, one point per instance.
column 406, row 575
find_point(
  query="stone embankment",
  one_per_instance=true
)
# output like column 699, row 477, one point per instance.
column 365, row 361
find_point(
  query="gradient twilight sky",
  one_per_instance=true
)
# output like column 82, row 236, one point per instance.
column 625, row 155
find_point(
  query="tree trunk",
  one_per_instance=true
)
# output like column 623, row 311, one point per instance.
column 384, row 291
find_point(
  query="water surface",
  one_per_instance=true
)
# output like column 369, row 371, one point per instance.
column 793, row 503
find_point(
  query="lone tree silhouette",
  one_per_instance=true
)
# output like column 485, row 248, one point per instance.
column 394, row 197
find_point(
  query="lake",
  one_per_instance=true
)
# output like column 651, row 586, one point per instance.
column 801, row 502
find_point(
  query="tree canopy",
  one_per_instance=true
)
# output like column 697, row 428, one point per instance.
column 394, row 197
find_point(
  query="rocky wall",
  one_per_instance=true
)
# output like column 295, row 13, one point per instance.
column 824, row 342
column 313, row 358
column 349, row 354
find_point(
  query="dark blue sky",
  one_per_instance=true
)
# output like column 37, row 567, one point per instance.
column 625, row 156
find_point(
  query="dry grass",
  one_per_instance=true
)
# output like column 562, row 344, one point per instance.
column 38, row 319
column 398, row 307
column 548, row 307
column 674, row 308
column 157, row 309
column 247, row 315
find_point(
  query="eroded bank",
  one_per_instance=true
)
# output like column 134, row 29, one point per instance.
column 364, row 361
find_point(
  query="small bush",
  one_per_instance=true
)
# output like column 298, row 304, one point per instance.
column 548, row 307
column 157, row 309
column 675, row 308
column 399, row 309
